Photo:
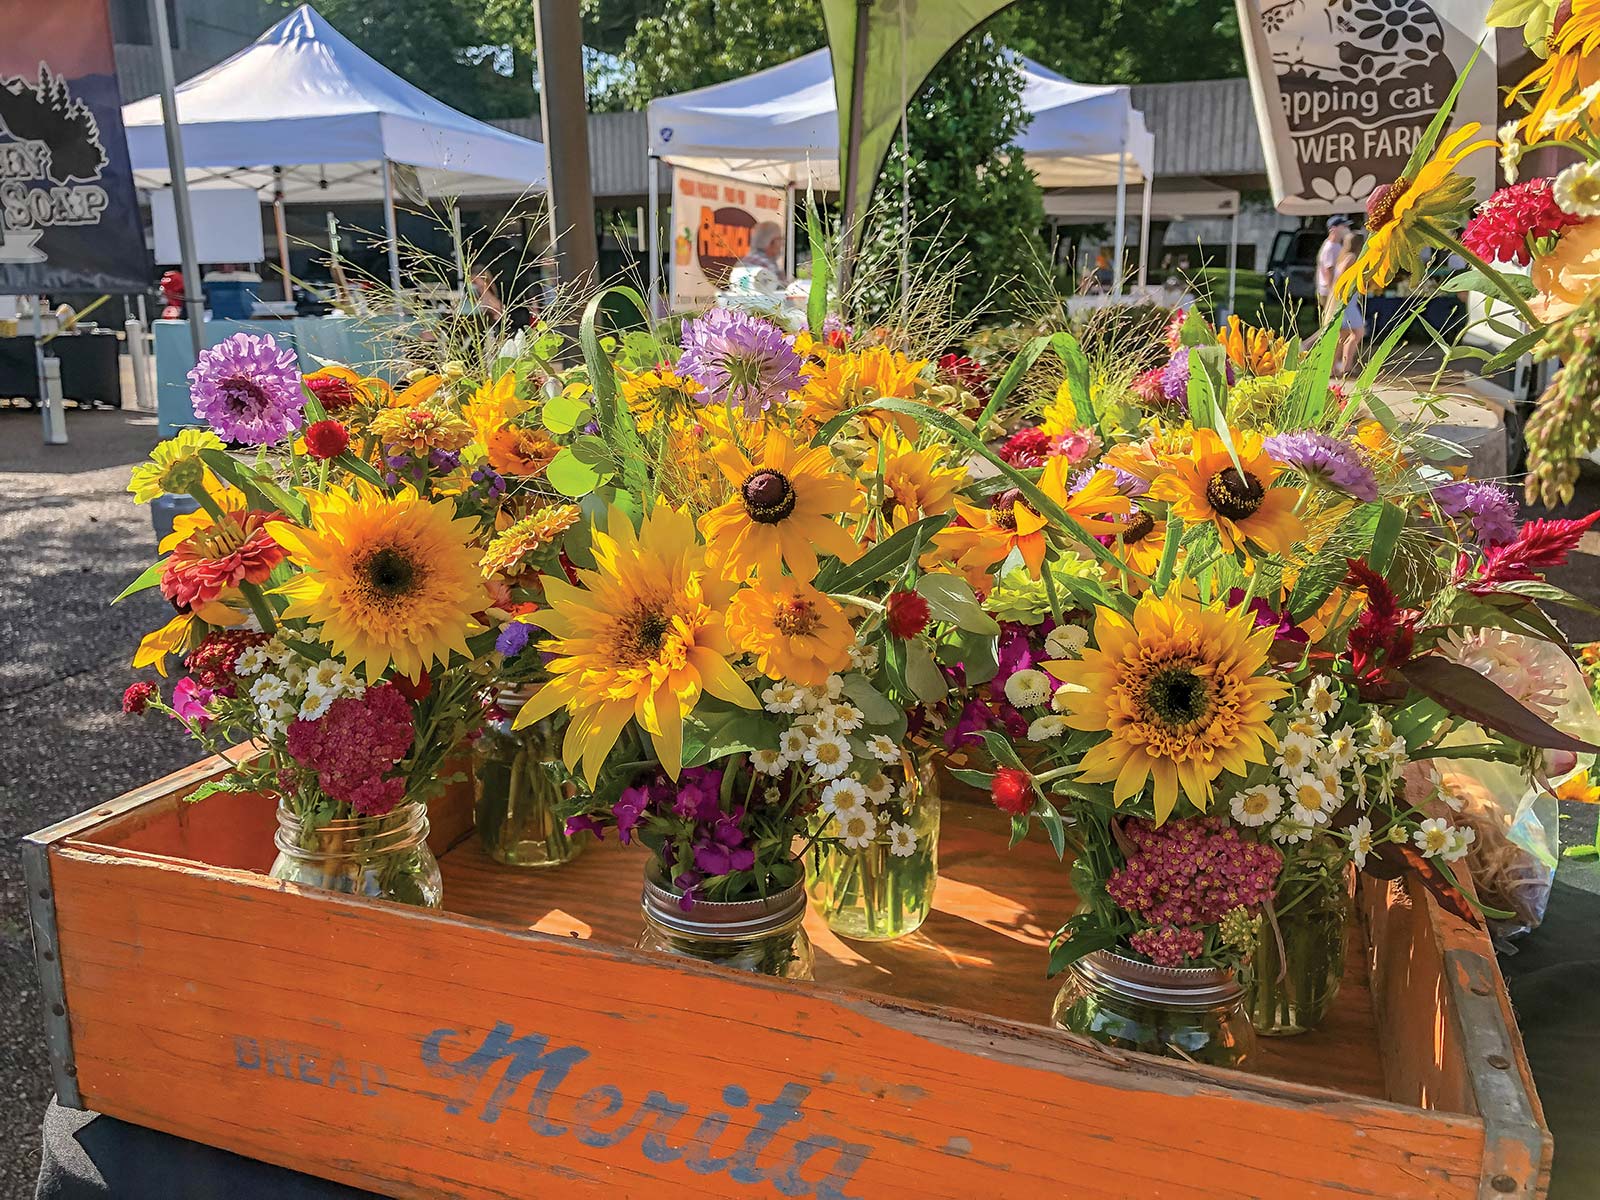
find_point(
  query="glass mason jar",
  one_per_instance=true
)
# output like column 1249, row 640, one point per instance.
column 1193, row 1013
column 764, row 937
column 1292, row 986
column 518, row 783
column 873, row 894
column 385, row 858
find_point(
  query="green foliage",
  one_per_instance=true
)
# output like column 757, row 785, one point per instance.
column 1119, row 41
column 972, row 198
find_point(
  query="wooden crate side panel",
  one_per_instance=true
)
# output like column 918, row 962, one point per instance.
column 427, row 1055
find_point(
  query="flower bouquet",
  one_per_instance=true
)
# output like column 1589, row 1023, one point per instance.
column 1256, row 604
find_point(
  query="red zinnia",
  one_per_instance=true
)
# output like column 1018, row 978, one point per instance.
column 334, row 391
column 138, row 696
column 1012, row 791
column 326, row 439
column 1027, row 448
column 1508, row 220
column 907, row 614
column 210, row 561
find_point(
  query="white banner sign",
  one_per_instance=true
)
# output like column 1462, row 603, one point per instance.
column 1345, row 88
column 712, row 220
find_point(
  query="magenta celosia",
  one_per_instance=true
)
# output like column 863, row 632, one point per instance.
column 355, row 745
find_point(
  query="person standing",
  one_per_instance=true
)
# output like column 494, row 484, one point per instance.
column 1352, row 322
column 1327, row 260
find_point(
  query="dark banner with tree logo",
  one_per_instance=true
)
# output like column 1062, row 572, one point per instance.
column 1344, row 89
column 69, row 219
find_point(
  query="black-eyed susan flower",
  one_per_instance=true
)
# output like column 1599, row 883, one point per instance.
column 1204, row 486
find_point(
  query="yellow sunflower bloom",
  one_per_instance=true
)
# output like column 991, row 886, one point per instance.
column 916, row 484
column 174, row 466
column 985, row 536
column 1147, row 459
column 848, row 379
column 1140, row 539
column 795, row 632
column 1254, row 351
column 640, row 639
column 783, row 512
column 1181, row 692
column 183, row 633
column 1577, row 787
column 339, row 388
column 418, row 392
column 391, row 581
column 1400, row 214
column 660, row 394
column 1205, row 486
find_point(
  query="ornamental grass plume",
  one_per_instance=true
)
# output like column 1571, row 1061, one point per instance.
column 1565, row 425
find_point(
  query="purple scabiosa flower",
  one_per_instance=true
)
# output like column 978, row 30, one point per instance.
column 739, row 359
column 1175, row 378
column 513, row 639
column 1325, row 460
column 248, row 389
column 1130, row 484
column 1491, row 509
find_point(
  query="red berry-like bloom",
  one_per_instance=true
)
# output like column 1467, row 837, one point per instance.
column 907, row 614
column 211, row 560
column 1012, row 791
column 326, row 439
column 415, row 689
column 1508, row 220
column 1027, row 448
column 353, row 747
column 138, row 696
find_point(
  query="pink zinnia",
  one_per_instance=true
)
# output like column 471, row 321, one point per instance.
column 1513, row 217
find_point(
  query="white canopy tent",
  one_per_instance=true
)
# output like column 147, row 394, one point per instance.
column 303, row 114
column 780, row 127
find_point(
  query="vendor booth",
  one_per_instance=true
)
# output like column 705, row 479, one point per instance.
column 780, row 127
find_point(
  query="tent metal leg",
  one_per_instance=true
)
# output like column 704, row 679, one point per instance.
column 390, row 231
column 653, row 233
column 1233, row 256
column 789, row 234
column 194, row 300
column 281, row 227
column 1122, row 220
column 1144, row 233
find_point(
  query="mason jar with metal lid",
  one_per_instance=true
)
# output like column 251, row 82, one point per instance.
column 763, row 936
column 1193, row 1013
column 520, row 784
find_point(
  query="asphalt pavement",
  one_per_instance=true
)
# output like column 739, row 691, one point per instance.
column 70, row 539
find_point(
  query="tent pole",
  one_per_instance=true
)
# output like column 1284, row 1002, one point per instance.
column 653, row 233
column 1144, row 232
column 194, row 300
column 389, row 229
column 283, row 232
column 1233, row 255
column 1122, row 217
column 788, row 237
column 852, row 156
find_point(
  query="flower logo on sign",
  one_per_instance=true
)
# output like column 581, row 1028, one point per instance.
column 1344, row 187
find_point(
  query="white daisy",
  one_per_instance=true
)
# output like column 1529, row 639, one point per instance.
column 1309, row 802
column 1433, row 837
column 1511, row 151
column 857, row 828
column 902, row 840
column 844, row 717
column 1295, row 754
column 880, row 789
column 316, row 704
column 1461, row 839
column 1289, row 830
column 252, row 660
column 1256, row 806
column 1339, row 751
column 268, row 688
column 792, row 743
column 768, row 762
column 1361, row 842
column 881, row 746
column 1305, row 725
column 1066, row 641
column 843, row 795
column 781, row 698
column 1384, row 745
column 294, row 677
column 1577, row 189
column 1042, row 729
column 828, row 755
column 864, row 657
column 1321, row 700
column 831, row 690
column 1027, row 688
column 277, row 652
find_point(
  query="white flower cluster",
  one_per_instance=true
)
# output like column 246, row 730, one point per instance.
column 853, row 771
column 284, row 690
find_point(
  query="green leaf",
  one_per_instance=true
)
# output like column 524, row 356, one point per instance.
column 148, row 578
column 975, row 652
column 1581, row 852
column 1169, row 555
column 616, row 423
column 1477, row 281
column 976, row 779
column 884, row 560
column 716, row 730
column 1466, row 693
column 563, row 413
column 1054, row 827
column 1387, row 535
column 1538, row 589
column 1523, row 344
column 1423, row 150
column 1019, row 830
column 259, row 491
column 1000, row 748
column 1195, row 331
column 360, row 468
column 876, row 708
column 923, row 676
column 571, row 475
column 951, row 599
column 212, row 787
column 1026, row 357
column 1078, row 379
column 821, row 269
column 1208, row 396
column 1084, row 934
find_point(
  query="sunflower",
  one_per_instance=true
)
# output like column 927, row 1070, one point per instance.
column 1181, row 691
column 640, row 639
column 845, row 380
column 1402, row 215
column 1088, row 500
column 419, row 391
column 1147, row 459
column 510, row 548
column 1139, row 541
column 1204, row 485
column 783, row 512
column 1254, row 351
column 795, row 632
column 183, row 633
column 389, row 580
column 659, row 394
column 916, row 484
column 1568, row 80
column 174, row 467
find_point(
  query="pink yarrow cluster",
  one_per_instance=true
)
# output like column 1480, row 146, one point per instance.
column 1185, row 875
column 353, row 747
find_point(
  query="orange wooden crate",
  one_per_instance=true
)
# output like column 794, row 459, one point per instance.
column 516, row 1045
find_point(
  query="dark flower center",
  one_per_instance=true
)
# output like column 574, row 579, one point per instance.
column 652, row 632
column 1380, row 205
column 796, row 618
column 768, row 496
column 1177, row 696
column 1233, row 495
column 390, row 574
column 1138, row 528
column 1003, row 509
